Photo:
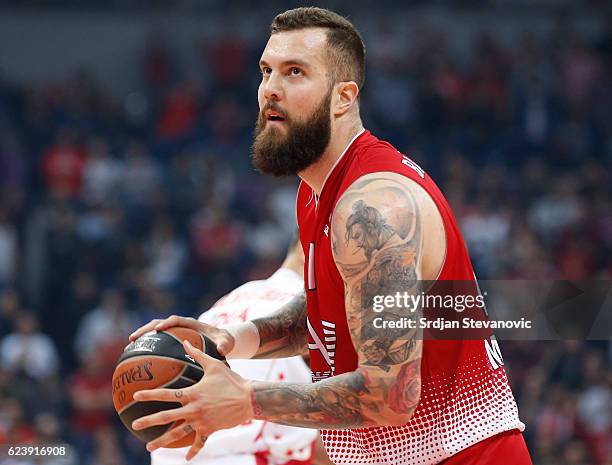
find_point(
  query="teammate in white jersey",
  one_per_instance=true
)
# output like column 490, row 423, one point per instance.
column 258, row 442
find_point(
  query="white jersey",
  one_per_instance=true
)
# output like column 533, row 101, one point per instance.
column 255, row 442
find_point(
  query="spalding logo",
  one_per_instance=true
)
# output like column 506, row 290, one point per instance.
column 137, row 373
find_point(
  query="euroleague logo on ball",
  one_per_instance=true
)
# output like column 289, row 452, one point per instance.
column 144, row 344
column 137, row 373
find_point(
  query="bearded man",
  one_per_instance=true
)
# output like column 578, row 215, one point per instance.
column 371, row 223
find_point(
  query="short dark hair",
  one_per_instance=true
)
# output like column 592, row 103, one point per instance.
column 346, row 47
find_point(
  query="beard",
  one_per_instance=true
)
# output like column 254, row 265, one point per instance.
column 302, row 144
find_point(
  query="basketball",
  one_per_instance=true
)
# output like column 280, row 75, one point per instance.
column 157, row 360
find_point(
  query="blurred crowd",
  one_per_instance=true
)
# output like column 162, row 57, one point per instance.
column 116, row 211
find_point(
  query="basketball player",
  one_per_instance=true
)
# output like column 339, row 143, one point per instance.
column 371, row 224
column 258, row 442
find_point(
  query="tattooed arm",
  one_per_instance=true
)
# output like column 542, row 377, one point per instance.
column 377, row 246
column 283, row 333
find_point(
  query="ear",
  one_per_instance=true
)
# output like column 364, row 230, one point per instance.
column 346, row 97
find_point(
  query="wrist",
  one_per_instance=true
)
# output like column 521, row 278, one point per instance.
column 246, row 340
column 256, row 410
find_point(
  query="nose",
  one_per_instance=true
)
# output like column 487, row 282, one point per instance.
column 273, row 89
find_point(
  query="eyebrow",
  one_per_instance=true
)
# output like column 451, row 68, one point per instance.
column 293, row 62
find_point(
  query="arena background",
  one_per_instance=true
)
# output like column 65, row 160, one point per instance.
column 127, row 192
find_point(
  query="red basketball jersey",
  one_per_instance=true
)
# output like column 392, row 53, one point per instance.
column 465, row 396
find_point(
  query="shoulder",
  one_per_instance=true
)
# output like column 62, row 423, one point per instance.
column 379, row 214
column 369, row 142
column 370, row 149
column 374, row 155
column 389, row 192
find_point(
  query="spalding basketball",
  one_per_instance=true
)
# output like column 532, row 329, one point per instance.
column 157, row 360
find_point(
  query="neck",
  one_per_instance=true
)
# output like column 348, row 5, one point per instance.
column 316, row 173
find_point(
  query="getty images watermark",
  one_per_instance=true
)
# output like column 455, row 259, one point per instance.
column 439, row 312
column 514, row 309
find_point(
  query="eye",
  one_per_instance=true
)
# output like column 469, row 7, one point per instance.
column 295, row 71
column 266, row 70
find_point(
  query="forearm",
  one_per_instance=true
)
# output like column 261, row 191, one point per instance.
column 352, row 400
column 283, row 333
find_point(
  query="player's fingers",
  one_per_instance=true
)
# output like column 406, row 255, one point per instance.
column 173, row 434
column 206, row 361
column 144, row 329
column 197, row 446
column 167, row 395
column 176, row 320
column 160, row 418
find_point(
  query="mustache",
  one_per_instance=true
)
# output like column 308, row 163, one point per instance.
column 273, row 107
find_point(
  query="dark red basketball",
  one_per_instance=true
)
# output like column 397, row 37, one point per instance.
column 157, row 360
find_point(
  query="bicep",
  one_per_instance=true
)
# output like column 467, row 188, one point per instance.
column 377, row 243
column 377, row 246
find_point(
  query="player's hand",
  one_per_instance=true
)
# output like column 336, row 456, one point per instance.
column 221, row 337
column 221, row 399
